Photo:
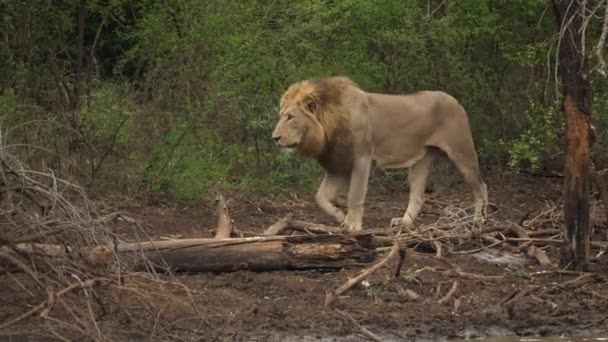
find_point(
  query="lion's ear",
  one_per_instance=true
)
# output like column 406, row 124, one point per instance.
column 312, row 105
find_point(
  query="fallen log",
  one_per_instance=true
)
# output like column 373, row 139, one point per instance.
column 254, row 254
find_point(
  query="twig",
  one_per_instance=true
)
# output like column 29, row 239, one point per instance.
column 450, row 293
column 438, row 250
column 114, row 217
column 550, row 241
column 10, row 274
column 312, row 228
column 361, row 328
column 52, row 298
column 518, row 230
column 542, row 273
column 43, row 233
column 517, row 294
column 544, row 232
column 21, row 266
column 599, row 49
column 578, row 282
column 278, row 227
column 466, row 275
column 525, row 217
column 332, row 295
column 401, row 261
column 224, row 326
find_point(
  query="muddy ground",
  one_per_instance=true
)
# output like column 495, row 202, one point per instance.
column 289, row 305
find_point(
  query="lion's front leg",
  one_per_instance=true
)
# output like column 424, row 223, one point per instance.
column 356, row 193
column 329, row 188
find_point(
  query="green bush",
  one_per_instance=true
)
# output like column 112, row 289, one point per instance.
column 180, row 96
column 539, row 139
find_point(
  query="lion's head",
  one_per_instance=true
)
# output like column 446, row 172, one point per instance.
column 311, row 115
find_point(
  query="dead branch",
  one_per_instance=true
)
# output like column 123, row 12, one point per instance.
column 466, row 275
column 519, row 231
column 22, row 266
column 115, row 216
column 517, row 294
column 438, row 250
column 599, row 49
column 40, row 249
column 43, row 234
column 361, row 328
column 332, row 295
column 223, row 227
column 539, row 255
column 59, row 235
column 481, row 231
column 542, row 232
column 578, row 282
column 279, row 227
column 535, row 240
column 52, row 298
column 450, row 293
column 313, row 228
column 568, row 272
column 288, row 223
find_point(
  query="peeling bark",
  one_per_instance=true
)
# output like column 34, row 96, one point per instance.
column 577, row 111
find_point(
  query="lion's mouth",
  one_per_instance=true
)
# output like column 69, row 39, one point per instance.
column 292, row 146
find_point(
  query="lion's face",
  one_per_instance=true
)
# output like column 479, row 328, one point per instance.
column 291, row 131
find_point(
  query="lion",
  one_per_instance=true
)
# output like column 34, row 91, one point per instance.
column 349, row 131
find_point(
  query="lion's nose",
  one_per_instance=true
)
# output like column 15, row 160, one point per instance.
column 276, row 138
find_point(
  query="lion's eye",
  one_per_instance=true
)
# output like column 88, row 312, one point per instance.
column 289, row 117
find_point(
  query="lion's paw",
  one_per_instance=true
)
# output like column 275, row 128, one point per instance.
column 347, row 227
column 340, row 216
column 397, row 222
column 400, row 222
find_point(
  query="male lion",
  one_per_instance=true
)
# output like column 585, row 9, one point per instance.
column 347, row 130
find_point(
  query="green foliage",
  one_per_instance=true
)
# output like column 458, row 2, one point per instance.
column 539, row 139
column 180, row 96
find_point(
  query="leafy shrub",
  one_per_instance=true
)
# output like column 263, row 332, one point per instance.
column 539, row 139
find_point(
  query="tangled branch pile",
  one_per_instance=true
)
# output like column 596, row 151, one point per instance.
column 51, row 279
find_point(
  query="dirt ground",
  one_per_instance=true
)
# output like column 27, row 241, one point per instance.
column 289, row 305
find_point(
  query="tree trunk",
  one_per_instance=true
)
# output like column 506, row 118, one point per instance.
column 577, row 110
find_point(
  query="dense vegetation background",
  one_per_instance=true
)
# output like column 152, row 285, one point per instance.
column 174, row 97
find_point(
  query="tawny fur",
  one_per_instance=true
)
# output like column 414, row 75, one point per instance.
column 347, row 129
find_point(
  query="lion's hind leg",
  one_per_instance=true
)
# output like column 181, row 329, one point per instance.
column 465, row 160
column 417, row 176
